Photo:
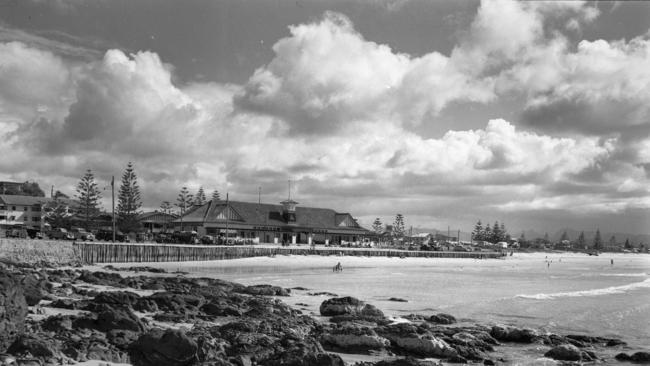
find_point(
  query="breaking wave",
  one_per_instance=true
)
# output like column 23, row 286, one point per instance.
column 594, row 292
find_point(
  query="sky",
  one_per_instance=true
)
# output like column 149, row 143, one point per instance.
column 534, row 114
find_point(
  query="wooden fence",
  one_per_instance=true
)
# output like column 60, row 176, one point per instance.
column 123, row 253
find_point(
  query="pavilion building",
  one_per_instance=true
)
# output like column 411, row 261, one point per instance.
column 271, row 223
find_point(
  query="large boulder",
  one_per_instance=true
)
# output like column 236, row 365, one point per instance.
column 417, row 341
column 112, row 318
column 35, row 288
column 352, row 338
column 639, row 357
column 513, row 334
column 569, row 352
column 160, row 347
column 266, row 290
column 442, row 319
column 13, row 309
column 341, row 306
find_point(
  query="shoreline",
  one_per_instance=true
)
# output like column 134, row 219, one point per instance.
column 213, row 306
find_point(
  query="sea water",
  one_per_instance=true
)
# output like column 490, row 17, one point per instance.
column 562, row 293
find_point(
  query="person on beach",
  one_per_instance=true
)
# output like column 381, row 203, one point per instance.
column 612, row 262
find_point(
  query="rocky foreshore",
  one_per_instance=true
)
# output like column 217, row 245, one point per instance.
column 51, row 316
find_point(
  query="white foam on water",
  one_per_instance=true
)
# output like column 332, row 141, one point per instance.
column 594, row 292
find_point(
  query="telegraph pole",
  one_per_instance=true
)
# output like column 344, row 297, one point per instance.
column 113, row 203
column 227, row 218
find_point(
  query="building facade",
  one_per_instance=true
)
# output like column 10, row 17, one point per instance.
column 271, row 223
column 23, row 211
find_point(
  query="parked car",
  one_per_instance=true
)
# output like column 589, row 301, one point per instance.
column 16, row 233
column 82, row 234
column 107, row 235
column 207, row 239
column 60, row 234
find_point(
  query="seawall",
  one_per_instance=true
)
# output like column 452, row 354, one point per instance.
column 123, row 253
column 38, row 251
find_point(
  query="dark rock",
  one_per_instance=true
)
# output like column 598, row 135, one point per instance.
column 221, row 309
column 351, row 338
column 372, row 311
column 111, row 318
column 34, row 346
column 13, row 309
column 164, row 348
column 69, row 304
column 569, row 352
column 301, row 289
column 408, row 361
column 416, row 340
column 397, row 299
column 641, row 357
column 512, row 334
column 341, row 306
column 266, row 290
column 623, row 357
column 122, row 339
column 57, row 323
column 442, row 319
column 35, row 288
column 101, row 278
column 120, row 298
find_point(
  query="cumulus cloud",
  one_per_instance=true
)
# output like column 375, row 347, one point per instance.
column 336, row 113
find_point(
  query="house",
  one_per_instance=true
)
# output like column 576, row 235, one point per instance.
column 156, row 221
column 271, row 223
column 22, row 211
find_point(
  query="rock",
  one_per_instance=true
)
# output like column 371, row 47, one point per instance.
column 341, row 306
column 101, row 278
column 13, row 309
column 371, row 310
column 569, row 352
column 159, row 347
column 57, row 323
column 638, row 357
column 417, row 340
column 69, row 304
column 352, row 338
column 512, row 334
column 408, row 361
column 397, row 299
column 120, row 298
column 111, row 318
column 266, row 290
column 34, row 346
column 35, row 288
column 442, row 319
column 220, row 309
column 301, row 289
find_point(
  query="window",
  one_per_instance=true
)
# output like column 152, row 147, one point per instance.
column 3, row 217
column 13, row 208
column 26, row 208
column 3, row 207
column 36, row 219
column 36, row 208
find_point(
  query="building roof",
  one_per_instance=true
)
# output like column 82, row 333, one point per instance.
column 269, row 215
column 10, row 199
column 156, row 216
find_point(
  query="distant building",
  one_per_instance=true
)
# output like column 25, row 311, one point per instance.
column 156, row 221
column 21, row 211
column 10, row 186
column 271, row 223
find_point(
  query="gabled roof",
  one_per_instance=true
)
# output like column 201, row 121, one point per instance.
column 268, row 214
column 9, row 199
column 155, row 216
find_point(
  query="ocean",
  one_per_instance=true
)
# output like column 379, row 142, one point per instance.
column 563, row 293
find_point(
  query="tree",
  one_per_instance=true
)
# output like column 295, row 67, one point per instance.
column 496, row 232
column 88, row 195
column 166, row 208
column 612, row 241
column 627, row 244
column 199, row 199
column 183, row 201
column 581, row 239
column 26, row 189
column 377, row 226
column 564, row 236
column 546, row 239
column 398, row 226
column 55, row 213
column 598, row 243
column 477, row 234
column 128, row 201
column 487, row 233
column 59, row 194
column 216, row 196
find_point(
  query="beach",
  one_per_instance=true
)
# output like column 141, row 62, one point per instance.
column 538, row 308
column 555, row 292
